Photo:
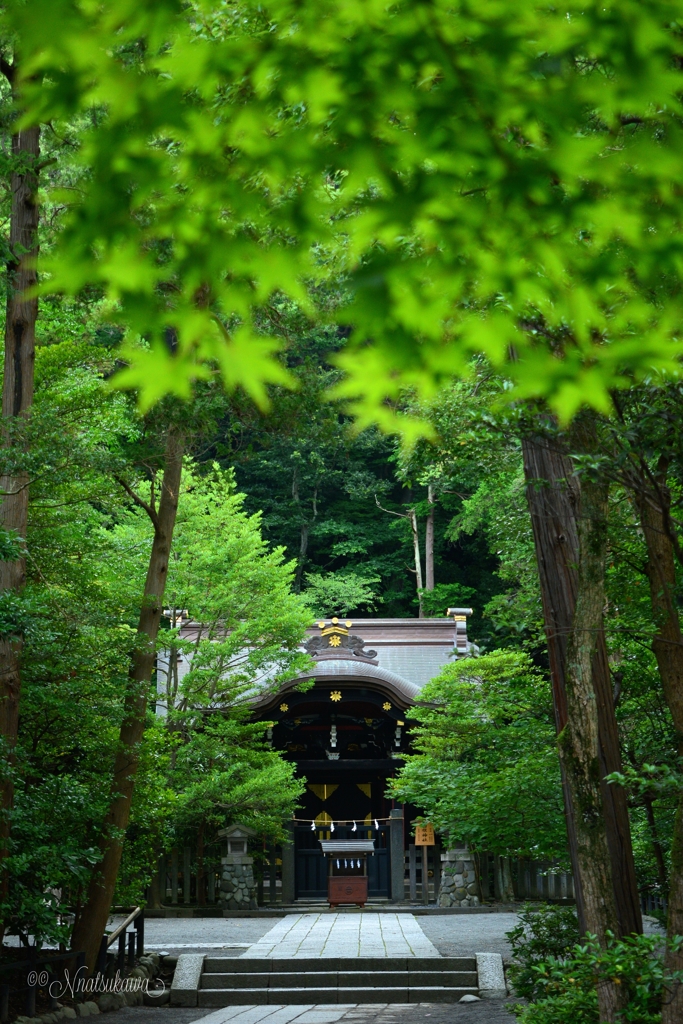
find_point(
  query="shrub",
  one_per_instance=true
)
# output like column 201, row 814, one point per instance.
column 545, row 931
column 565, row 989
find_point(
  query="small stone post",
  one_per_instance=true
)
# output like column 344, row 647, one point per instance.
column 459, row 885
column 238, row 887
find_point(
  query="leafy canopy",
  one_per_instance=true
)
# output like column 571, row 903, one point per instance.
column 488, row 177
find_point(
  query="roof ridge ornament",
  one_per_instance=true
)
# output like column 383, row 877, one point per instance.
column 460, row 642
column 335, row 641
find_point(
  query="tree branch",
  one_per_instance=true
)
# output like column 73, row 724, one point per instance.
column 138, row 500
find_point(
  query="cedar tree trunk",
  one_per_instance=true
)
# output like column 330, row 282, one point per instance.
column 578, row 741
column 17, row 398
column 89, row 928
column 668, row 650
column 429, row 541
column 418, row 560
column 554, row 497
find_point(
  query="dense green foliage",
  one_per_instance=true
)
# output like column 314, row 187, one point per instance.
column 557, row 975
column 543, row 930
column 487, row 771
column 567, row 986
column 480, row 173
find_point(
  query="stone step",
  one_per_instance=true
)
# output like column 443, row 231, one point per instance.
column 215, row 998
column 346, row 979
column 300, row 965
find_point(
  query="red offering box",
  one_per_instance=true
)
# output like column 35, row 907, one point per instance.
column 347, row 889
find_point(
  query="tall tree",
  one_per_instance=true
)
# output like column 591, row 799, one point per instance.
column 647, row 435
column 161, row 507
column 555, row 501
column 17, row 397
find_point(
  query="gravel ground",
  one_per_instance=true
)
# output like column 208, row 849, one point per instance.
column 464, row 934
column 202, row 934
column 453, row 935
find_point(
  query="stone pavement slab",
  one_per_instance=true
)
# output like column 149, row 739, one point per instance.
column 484, row 1012
column 343, row 935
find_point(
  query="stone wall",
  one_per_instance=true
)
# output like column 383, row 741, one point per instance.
column 238, row 888
column 459, row 883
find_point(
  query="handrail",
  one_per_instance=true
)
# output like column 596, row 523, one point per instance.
column 122, row 927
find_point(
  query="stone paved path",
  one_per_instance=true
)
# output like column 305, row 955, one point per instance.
column 484, row 1012
column 325, row 935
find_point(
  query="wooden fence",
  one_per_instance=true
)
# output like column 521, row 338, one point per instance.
column 177, row 883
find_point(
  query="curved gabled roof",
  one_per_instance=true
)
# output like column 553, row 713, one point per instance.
column 345, row 670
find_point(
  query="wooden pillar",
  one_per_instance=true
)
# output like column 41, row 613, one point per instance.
column 412, row 872
column 259, row 886
column 396, row 855
column 162, row 878
column 187, row 877
column 174, row 876
column 425, row 875
column 437, row 869
column 272, row 888
column 289, row 868
column 483, row 861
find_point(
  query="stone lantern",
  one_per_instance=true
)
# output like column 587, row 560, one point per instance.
column 238, row 888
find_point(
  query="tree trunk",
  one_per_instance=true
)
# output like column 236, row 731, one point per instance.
column 429, row 541
column 579, row 739
column 506, row 891
column 90, row 927
column 554, row 496
column 301, row 561
column 154, row 892
column 418, row 560
column 667, row 645
column 660, row 859
column 17, row 398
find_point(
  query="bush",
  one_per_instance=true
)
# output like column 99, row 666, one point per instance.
column 545, row 931
column 565, row 989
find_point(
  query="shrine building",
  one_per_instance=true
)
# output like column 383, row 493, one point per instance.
column 347, row 735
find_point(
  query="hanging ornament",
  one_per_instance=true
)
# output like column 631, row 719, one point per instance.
column 376, row 823
column 357, row 863
column 332, row 827
column 345, row 863
column 312, row 826
column 337, row 863
column 354, row 827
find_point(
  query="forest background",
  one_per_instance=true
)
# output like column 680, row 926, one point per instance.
column 528, row 360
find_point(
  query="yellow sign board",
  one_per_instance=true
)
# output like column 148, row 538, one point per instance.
column 424, row 835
